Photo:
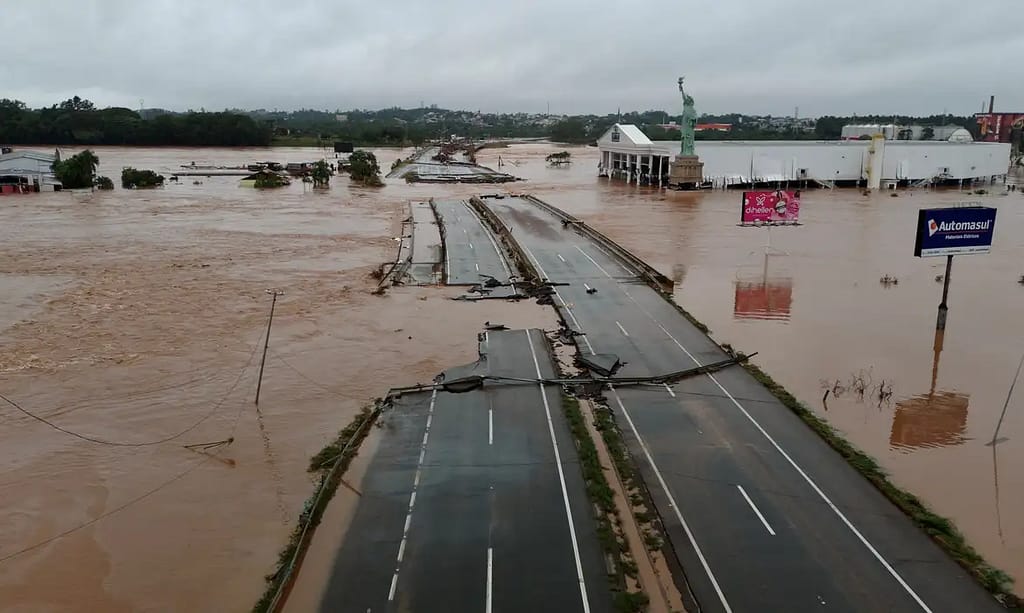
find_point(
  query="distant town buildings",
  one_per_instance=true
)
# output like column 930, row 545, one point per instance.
column 893, row 131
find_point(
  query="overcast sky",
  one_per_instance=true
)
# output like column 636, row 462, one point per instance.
column 579, row 56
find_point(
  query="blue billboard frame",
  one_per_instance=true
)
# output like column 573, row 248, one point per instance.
column 962, row 230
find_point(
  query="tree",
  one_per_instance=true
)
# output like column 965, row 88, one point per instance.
column 134, row 179
column 78, row 171
column 928, row 133
column 104, row 183
column 571, row 130
column 321, row 174
column 364, row 169
column 77, row 104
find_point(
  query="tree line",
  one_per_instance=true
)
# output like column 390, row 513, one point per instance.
column 77, row 121
column 588, row 128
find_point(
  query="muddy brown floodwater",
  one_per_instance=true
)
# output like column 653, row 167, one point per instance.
column 131, row 317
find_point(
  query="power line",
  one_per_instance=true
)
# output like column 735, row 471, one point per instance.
column 303, row 375
column 100, row 441
column 174, row 479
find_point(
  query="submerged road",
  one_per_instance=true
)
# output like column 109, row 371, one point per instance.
column 470, row 250
column 763, row 515
column 475, row 502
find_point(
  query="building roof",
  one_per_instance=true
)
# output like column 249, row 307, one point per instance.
column 28, row 155
column 634, row 134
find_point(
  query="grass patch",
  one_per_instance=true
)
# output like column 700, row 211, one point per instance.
column 609, row 529
column 330, row 464
column 939, row 528
column 631, row 602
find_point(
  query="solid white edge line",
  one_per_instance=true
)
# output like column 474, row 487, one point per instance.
column 621, row 328
column 561, row 479
column 490, row 578
column 828, row 501
column 401, row 550
column 755, row 509
column 672, row 501
column 878, row 556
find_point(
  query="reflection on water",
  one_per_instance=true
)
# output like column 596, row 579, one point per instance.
column 764, row 298
column 930, row 420
column 935, row 419
column 770, row 300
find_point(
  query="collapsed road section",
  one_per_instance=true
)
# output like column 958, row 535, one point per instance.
column 475, row 501
column 471, row 254
column 447, row 163
column 760, row 512
column 421, row 250
column 446, row 242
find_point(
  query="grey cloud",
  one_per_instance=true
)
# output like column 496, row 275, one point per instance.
column 873, row 56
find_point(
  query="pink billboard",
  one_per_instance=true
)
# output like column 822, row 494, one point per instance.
column 770, row 207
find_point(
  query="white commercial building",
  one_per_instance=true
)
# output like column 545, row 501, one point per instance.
column 626, row 153
column 32, row 167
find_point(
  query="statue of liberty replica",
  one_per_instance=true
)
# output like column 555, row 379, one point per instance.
column 687, row 170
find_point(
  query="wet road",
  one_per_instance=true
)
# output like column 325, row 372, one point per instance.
column 763, row 515
column 425, row 260
column 466, row 507
column 470, row 251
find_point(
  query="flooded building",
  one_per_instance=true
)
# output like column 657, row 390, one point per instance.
column 626, row 153
column 27, row 171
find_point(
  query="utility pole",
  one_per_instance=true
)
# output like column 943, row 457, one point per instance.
column 266, row 343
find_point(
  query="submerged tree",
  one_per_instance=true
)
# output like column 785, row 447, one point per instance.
column 364, row 168
column 557, row 159
column 321, row 174
column 78, row 171
column 104, row 183
column 133, row 179
column 267, row 178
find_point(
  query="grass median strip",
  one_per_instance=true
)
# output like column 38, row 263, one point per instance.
column 329, row 464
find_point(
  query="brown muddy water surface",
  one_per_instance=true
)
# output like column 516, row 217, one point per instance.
column 136, row 316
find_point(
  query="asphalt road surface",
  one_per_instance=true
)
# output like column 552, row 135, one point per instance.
column 475, row 502
column 425, row 260
column 470, row 250
column 763, row 515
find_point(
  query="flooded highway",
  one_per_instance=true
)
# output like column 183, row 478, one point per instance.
column 131, row 317
column 816, row 311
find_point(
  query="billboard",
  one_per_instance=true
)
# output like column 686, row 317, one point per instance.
column 770, row 207
column 955, row 231
column 998, row 127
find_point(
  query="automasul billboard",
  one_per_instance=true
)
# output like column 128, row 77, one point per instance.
column 770, row 207
column 955, row 231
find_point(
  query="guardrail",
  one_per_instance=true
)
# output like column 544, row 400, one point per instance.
column 645, row 270
column 505, row 236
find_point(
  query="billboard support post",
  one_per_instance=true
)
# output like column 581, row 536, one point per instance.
column 961, row 230
column 940, row 322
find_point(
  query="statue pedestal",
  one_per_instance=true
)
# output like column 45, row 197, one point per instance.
column 687, row 171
